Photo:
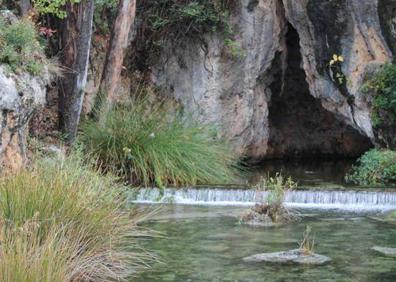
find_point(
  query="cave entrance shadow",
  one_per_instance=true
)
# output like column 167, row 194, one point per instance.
column 298, row 124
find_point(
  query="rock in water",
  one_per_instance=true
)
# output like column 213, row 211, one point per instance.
column 390, row 252
column 292, row 256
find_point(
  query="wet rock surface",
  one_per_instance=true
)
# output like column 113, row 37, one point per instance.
column 293, row 256
column 391, row 252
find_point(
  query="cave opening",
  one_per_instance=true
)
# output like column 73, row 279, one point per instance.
column 298, row 124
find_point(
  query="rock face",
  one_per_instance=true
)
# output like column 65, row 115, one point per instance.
column 283, row 98
column 293, row 256
column 20, row 97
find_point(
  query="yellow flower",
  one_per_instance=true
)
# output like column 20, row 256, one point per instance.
column 335, row 57
column 341, row 58
column 332, row 62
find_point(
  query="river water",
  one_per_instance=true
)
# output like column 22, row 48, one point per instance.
column 200, row 238
column 199, row 243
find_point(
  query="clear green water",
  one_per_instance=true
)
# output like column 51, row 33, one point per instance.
column 208, row 244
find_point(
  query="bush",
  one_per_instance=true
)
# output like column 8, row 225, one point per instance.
column 20, row 48
column 151, row 146
column 375, row 167
column 61, row 221
column 382, row 87
column 175, row 21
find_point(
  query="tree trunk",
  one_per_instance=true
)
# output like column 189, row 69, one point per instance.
column 25, row 6
column 76, row 34
column 115, row 57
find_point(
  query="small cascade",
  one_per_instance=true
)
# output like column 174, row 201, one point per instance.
column 347, row 200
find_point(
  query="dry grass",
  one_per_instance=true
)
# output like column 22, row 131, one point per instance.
column 61, row 221
column 308, row 242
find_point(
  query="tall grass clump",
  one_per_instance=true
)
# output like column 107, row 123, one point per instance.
column 152, row 146
column 61, row 221
column 375, row 168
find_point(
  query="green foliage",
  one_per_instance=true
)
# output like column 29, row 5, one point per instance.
column 375, row 167
column 233, row 49
column 54, row 7
column 175, row 20
column 150, row 145
column 62, row 221
column 105, row 14
column 382, row 87
column 20, row 48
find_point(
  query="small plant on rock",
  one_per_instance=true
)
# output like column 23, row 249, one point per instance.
column 308, row 242
column 272, row 208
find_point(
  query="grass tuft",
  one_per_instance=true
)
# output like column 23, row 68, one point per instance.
column 61, row 221
column 307, row 244
column 152, row 146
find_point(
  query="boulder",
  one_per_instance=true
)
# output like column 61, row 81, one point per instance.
column 297, row 256
column 390, row 252
column 21, row 95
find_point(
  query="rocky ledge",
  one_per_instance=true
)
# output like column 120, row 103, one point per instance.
column 293, row 256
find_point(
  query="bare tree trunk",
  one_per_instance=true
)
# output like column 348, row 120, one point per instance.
column 25, row 6
column 76, row 35
column 115, row 57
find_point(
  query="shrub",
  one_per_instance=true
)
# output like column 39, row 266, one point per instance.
column 20, row 48
column 61, row 221
column 151, row 146
column 173, row 21
column 375, row 167
column 382, row 87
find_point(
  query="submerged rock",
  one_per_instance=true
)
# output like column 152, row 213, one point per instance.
column 390, row 252
column 255, row 218
column 293, row 256
column 267, row 215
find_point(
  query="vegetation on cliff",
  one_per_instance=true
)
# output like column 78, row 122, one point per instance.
column 20, row 48
column 382, row 89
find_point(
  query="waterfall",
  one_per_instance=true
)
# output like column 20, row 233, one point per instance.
column 347, row 200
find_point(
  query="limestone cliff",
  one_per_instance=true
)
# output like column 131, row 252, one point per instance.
column 283, row 97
